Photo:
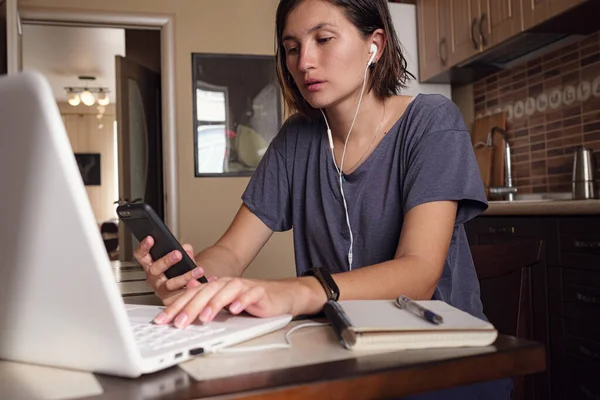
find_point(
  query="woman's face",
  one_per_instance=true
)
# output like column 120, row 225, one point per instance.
column 325, row 53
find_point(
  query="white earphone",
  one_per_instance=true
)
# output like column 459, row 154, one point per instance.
column 373, row 52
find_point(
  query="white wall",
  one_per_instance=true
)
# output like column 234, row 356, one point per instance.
column 404, row 17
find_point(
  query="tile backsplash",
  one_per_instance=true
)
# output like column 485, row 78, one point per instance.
column 552, row 105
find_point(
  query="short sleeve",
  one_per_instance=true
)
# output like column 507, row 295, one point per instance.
column 268, row 192
column 441, row 165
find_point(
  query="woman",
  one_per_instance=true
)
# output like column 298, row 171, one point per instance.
column 376, row 185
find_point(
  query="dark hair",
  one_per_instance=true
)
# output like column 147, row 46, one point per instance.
column 388, row 76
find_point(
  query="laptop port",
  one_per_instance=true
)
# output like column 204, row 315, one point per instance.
column 196, row 351
column 178, row 355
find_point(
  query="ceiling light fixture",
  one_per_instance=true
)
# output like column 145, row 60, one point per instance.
column 87, row 95
column 73, row 98
column 103, row 98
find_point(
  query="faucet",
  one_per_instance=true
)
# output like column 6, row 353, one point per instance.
column 508, row 190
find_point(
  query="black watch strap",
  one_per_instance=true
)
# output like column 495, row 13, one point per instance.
column 325, row 279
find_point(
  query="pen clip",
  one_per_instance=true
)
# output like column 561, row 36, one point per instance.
column 399, row 303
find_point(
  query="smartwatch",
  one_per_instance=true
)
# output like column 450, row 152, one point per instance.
column 325, row 279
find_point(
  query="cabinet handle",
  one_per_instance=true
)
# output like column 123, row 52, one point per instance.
column 473, row 34
column 483, row 39
column 587, row 299
column 587, row 352
column 586, row 245
column 501, row 229
column 443, row 57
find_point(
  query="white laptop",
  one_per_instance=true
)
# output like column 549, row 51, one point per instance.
column 59, row 300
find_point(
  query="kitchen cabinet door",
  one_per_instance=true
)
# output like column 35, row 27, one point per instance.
column 535, row 12
column 464, row 30
column 499, row 21
column 558, row 6
column 433, row 25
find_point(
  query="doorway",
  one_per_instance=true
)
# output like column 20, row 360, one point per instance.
column 107, row 82
column 3, row 37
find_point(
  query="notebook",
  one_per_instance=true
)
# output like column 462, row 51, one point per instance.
column 369, row 324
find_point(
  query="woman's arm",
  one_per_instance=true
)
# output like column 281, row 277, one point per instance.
column 415, row 270
column 230, row 256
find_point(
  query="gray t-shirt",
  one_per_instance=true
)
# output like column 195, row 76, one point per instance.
column 426, row 156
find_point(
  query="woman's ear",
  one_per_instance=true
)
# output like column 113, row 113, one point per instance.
column 378, row 39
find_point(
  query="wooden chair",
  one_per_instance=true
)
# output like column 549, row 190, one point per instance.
column 504, row 273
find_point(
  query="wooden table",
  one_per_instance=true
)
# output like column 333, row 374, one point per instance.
column 383, row 375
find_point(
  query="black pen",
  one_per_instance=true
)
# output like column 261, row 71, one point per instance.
column 409, row 305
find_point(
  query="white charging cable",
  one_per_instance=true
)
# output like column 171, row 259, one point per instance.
column 264, row 347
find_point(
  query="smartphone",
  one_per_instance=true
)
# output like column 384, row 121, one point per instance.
column 143, row 221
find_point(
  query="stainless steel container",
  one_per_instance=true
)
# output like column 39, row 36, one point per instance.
column 584, row 173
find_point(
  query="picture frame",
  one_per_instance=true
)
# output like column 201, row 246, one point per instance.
column 89, row 168
column 237, row 111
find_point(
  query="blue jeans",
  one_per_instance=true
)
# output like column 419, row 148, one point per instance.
column 492, row 390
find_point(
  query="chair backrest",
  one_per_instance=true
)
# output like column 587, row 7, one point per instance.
column 110, row 231
column 109, row 227
column 504, row 273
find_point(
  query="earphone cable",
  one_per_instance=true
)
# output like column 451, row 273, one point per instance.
column 270, row 346
column 341, row 167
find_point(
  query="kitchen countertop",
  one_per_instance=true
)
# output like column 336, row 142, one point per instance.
column 543, row 207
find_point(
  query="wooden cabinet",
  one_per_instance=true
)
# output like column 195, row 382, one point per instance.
column 574, row 307
column 535, row 12
column 559, row 6
column 464, row 30
column 565, row 297
column 433, row 26
column 451, row 32
column 500, row 20
column 538, row 11
column 492, row 22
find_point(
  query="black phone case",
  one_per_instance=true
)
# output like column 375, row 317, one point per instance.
column 143, row 221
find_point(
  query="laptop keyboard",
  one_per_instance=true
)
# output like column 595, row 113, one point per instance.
column 156, row 337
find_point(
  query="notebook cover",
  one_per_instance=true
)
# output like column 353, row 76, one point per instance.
column 381, row 324
column 384, row 315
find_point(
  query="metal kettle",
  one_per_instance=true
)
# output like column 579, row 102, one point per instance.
column 584, row 173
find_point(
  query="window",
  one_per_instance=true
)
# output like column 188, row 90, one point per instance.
column 237, row 112
column 211, row 128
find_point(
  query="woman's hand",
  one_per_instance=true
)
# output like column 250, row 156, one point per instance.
column 167, row 290
column 259, row 298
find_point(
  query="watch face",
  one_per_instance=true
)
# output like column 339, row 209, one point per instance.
column 332, row 295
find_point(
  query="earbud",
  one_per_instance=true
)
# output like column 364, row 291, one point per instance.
column 373, row 52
